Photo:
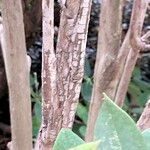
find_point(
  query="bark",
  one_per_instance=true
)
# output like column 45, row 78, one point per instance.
column 63, row 69
column 49, row 104
column 14, row 50
column 136, row 26
column 137, row 19
column 144, row 121
column 70, row 55
column 32, row 21
column 106, row 64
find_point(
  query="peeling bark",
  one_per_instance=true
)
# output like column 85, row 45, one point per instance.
column 106, row 64
column 14, row 50
column 63, row 69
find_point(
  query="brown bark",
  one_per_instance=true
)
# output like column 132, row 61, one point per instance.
column 70, row 54
column 63, row 70
column 137, row 19
column 49, row 105
column 106, row 64
column 32, row 20
column 144, row 121
column 14, row 50
column 136, row 25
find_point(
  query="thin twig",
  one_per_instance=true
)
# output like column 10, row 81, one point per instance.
column 137, row 19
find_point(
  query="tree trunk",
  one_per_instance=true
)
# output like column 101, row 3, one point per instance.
column 63, row 70
column 106, row 66
column 14, row 50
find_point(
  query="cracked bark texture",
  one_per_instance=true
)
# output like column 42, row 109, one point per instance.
column 17, row 71
column 106, row 65
column 70, row 54
column 63, row 69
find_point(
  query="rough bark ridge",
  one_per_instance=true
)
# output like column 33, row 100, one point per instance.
column 106, row 66
column 63, row 69
column 14, row 50
column 70, row 54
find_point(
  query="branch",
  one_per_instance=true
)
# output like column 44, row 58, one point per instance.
column 49, row 99
column 136, row 26
column 144, row 121
column 106, row 67
column 62, row 71
column 137, row 20
column 17, row 71
column 70, row 55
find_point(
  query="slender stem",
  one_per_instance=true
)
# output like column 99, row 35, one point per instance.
column 17, row 71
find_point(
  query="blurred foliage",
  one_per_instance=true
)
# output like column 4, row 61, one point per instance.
column 137, row 96
column 36, row 100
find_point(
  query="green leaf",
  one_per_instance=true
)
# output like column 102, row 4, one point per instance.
column 87, row 146
column 82, row 113
column 116, row 130
column 87, row 68
column 146, row 135
column 137, row 95
column 36, row 125
column 137, row 72
column 141, row 84
column 38, row 110
column 76, row 127
column 67, row 139
column 82, row 130
column 37, row 118
column 144, row 97
column 86, row 90
column 134, row 91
